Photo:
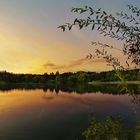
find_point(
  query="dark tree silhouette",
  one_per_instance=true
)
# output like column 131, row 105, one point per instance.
column 123, row 26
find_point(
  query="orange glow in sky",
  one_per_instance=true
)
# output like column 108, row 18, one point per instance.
column 31, row 43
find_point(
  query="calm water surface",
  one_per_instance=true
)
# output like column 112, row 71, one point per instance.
column 39, row 115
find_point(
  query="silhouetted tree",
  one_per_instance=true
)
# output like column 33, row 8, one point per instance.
column 123, row 26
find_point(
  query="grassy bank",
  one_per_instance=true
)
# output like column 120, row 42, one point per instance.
column 114, row 82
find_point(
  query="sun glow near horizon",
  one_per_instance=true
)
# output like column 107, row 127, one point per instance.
column 24, row 51
column 31, row 43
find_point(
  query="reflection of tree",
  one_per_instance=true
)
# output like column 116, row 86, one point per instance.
column 135, row 99
column 115, row 89
column 131, row 91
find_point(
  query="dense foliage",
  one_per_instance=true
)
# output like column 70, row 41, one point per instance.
column 110, row 129
column 69, row 78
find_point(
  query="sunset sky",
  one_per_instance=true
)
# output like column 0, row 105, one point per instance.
column 31, row 43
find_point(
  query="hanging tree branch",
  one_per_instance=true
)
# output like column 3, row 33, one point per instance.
column 127, row 29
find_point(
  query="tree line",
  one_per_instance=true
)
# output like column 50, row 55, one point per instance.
column 69, row 77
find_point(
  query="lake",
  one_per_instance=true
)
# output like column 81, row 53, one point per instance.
column 44, row 114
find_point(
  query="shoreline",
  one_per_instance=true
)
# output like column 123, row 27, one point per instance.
column 114, row 82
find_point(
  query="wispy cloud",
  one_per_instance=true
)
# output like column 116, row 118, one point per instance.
column 72, row 64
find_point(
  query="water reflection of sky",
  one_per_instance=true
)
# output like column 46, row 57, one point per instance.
column 25, row 112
